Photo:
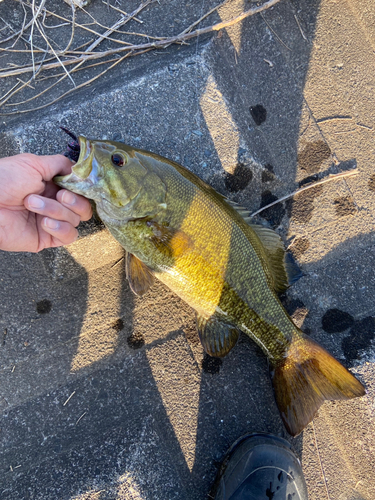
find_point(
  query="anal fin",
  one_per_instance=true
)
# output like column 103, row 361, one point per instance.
column 217, row 336
column 139, row 275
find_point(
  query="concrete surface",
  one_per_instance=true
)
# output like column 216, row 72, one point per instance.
column 108, row 396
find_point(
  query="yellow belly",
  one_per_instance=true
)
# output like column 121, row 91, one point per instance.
column 198, row 274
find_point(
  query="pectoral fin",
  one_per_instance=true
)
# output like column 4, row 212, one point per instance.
column 169, row 241
column 217, row 337
column 139, row 275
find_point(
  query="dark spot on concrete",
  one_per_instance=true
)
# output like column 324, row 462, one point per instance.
column 348, row 164
column 268, row 173
column 267, row 176
column 371, row 183
column 360, row 337
column 43, row 306
column 295, row 308
column 135, row 341
column 344, row 206
column 118, row 325
column 313, row 156
column 240, row 178
column 291, row 305
column 302, row 206
column 207, row 153
column 299, row 247
column 335, row 321
column 308, row 180
column 259, row 114
column 273, row 214
column 210, row 364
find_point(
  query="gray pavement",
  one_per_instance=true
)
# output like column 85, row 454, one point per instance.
column 108, row 396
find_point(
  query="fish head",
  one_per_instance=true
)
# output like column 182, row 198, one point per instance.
column 114, row 176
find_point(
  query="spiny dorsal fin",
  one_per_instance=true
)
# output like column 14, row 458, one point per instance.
column 217, row 337
column 282, row 266
column 139, row 275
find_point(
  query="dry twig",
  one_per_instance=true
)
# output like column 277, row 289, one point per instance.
column 332, row 177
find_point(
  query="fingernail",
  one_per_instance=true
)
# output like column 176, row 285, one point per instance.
column 36, row 202
column 68, row 198
column 52, row 224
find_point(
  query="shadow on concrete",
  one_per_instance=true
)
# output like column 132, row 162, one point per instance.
column 263, row 82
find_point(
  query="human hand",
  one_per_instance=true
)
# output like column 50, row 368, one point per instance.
column 34, row 212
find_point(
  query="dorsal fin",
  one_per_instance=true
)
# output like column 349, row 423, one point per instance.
column 244, row 212
column 283, row 268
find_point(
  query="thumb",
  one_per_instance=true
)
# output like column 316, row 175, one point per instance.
column 52, row 165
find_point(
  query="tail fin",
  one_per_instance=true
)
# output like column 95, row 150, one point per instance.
column 305, row 378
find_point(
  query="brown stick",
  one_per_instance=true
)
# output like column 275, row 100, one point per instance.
column 332, row 177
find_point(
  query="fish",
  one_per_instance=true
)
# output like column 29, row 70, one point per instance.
column 178, row 229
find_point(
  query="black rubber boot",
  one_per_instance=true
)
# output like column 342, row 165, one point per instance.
column 260, row 467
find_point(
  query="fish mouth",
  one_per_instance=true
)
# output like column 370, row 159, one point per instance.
column 84, row 172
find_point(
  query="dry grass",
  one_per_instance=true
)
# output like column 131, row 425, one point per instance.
column 50, row 52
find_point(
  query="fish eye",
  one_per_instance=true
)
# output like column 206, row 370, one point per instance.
column 118, row 159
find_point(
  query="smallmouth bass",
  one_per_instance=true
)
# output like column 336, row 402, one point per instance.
column 178, row 229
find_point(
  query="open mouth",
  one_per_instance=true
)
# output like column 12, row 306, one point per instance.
column 78, row 149
column 84, row 172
